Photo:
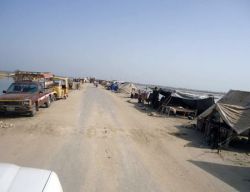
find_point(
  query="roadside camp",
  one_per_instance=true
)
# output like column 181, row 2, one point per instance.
column 226, row 119
column 174, row 101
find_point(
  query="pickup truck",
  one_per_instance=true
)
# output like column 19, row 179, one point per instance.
column 25, row 97
column 23, row 179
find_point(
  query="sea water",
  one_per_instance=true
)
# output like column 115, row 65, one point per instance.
column 4, row 84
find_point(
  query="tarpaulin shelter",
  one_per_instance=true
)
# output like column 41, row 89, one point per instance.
column 114, row 87
column 127, row 88
column 200, row 103
column 234, row 109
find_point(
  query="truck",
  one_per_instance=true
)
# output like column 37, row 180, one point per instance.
column 27, row 94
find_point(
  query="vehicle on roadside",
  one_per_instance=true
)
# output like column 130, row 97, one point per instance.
column 96, row 83
column 23, row 179
column 25, row 97
column 29, row 92
column 61, row 87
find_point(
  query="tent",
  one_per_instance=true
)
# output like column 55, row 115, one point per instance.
column 187, row 100
column 234, row 109
column 127, row 88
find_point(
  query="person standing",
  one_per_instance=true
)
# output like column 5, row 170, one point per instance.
column 155, row 98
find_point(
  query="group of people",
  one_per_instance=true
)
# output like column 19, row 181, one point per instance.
column 152, row 98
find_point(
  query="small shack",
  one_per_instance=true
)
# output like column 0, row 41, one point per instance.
column 227, row 118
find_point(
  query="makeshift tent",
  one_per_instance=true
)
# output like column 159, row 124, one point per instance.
column 187, row 100
column 234, row 109
column 127, row 88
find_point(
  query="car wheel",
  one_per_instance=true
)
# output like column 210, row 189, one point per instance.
column 33, row 111
column 47, row 104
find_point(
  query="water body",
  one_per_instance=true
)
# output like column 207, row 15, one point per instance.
column 4, row 84
column 217, row 95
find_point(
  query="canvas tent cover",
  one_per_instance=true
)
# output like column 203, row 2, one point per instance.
column 234, row 109
column 190, row 96
column 189, row 100
column 182, row 94
column 127, row 88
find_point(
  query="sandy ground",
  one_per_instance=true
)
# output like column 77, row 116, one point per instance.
column 98, row 141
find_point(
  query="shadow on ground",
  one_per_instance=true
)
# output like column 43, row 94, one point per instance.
column 240, row 179
column 13, row 116
column 187, row 131
column 145, row 108
column 196, row 139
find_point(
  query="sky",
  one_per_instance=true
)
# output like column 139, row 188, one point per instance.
column 195, row 44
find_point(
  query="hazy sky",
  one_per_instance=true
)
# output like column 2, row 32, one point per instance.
column 200, row 44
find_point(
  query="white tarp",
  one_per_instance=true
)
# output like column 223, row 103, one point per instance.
column 127, row 88
column 190, row 96
column 234, row 109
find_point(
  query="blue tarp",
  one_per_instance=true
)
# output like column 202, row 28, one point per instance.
column 114, row 87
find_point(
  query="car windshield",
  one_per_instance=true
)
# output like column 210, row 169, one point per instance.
column 23, row 88
column 58, row 82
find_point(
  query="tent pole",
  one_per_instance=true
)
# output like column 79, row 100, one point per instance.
column 219, row 138
column 164, row 103
column 249, row 136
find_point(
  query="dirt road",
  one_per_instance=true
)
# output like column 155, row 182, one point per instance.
column 97, row 141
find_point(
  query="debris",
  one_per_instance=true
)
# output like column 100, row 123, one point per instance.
column 6, row 125
column 154, row 114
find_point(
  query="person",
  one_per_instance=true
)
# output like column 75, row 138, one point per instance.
column 214, row 132
column 77, row 86
column 132, row 93
column 155, row 97
column 139, row 96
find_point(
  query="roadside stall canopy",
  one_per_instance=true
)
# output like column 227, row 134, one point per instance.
column 234, row 109
column 187, row 100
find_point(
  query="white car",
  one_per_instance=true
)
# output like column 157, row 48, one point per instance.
column 22, row 179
